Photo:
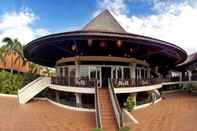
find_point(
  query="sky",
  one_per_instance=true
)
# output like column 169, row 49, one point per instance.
column 173, row 21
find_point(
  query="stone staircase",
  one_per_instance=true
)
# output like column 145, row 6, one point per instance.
column 108, row 120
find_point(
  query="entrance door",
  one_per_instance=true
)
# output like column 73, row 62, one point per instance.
column 106, row 73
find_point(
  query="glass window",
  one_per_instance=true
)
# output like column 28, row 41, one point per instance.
column 66, row 72
column 61, row 71
column 114, row 73
column 127, row 73
column 119, row 70
column 84, row 72
column 142, row 73
column 72, row 72
column 93, row 72
column 98, row 73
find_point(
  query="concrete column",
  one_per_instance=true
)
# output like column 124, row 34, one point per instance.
column 78, row 99
column 77, row 69
column 57, row 98
column 63, row 72
column 180, row 76
column 133, row 66
column 156, row 71
column 189, row 75
column 57, row 71
column 148, row 73
column 140, row 75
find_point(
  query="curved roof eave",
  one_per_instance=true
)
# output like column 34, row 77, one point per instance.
column 82, row 33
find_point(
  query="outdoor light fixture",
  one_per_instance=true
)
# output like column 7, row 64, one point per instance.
column 131, row 50
column 74, row 47
column 89, row 42
column 119, row 43
column 103, row 44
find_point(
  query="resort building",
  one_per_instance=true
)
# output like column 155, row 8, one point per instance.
column 188, row 69
column 99, row 66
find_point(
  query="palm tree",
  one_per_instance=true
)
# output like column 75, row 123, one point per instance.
column 34, row 68
column 2, row 51
column 14, row 47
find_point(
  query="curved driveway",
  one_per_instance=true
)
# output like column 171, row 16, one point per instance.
column 176, row 112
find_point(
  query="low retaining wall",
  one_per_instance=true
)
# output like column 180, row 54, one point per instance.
column 147, row 104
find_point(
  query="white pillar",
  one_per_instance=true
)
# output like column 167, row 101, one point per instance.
column 57, row 71
column 140, row 74
column 77, row 69
column 57, row 96
column 63, row 72
column 180, row 76
column 78, row 99
column 189, row 75
column 133, row 66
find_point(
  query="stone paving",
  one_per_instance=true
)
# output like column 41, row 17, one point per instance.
column 41, row 116
column 176, row 112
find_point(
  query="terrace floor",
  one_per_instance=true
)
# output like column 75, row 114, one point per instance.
column 176, row 112
column 41, row 116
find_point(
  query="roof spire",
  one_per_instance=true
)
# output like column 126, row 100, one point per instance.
column 104, row 22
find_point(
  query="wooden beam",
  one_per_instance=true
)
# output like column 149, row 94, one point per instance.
column 102, row 58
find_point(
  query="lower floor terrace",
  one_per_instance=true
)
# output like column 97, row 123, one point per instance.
column 177, row 111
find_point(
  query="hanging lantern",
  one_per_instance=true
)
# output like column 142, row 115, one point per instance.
column 74, row 47
column 89, row 42
column 119, row 43
column 103, row 44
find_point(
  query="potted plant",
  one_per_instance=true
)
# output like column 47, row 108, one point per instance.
column 129, row 104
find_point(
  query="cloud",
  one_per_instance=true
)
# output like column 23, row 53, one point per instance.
column 172, row 22
column 18, row 25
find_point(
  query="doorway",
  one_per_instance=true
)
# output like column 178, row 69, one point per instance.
column 106, row 74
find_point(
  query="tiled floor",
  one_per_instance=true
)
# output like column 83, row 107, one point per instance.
column 177, row 112
column 41, row 116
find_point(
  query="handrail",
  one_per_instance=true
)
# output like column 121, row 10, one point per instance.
column 72, row 81
column 31, row 83
column 97, row 107
column 115, row 104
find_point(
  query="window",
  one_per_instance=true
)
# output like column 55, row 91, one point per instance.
column 127, row 73
column 72, row 72
column 66, row 72
column 84, row 72
column 114, row 73
column 92, row 72
column 119, row 71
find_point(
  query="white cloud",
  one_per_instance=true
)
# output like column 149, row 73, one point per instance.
column 173, row 22
column 18, row 25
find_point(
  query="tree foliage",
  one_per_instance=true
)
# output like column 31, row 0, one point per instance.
column 10, row 83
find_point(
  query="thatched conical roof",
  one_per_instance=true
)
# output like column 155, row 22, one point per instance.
column 104, row 22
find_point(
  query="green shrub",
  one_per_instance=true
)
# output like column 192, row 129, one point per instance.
column 96, row 129
column 10, row 83
column 124, row 129
column 129, row 104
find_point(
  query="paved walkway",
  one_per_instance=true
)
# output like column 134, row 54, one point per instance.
column 41, row 116
column 177, row 112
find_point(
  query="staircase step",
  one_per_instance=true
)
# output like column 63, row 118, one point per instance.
column 108, row 119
